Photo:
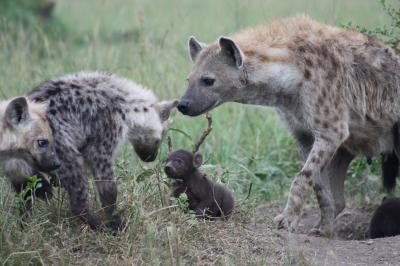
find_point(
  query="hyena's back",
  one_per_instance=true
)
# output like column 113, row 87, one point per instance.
column 89, row 107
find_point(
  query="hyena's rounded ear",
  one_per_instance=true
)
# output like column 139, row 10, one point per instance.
column 164, row 108
column 230, row 49
column 17, row 111
column 194, row 47
column 197, row 159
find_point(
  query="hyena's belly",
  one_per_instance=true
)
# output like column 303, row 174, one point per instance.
column 370, row 140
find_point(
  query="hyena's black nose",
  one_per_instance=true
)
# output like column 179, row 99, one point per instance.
column 183, row 106
column 56, row 164
column 167, row 169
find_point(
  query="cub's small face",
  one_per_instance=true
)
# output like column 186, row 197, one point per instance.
column 40, row 142
column 181, row 164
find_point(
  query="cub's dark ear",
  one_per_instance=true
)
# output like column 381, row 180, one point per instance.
column 17, row 111
column 197, row 160
column 194, row 47
column 230, row 49
column 165, row 107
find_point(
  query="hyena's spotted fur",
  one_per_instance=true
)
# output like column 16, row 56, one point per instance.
column 337, row 90
column 90, row 115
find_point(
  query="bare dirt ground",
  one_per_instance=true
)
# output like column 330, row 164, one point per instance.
column 259, row 243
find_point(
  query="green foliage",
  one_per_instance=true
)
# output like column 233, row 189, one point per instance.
column 390, row 32
column 27, row 193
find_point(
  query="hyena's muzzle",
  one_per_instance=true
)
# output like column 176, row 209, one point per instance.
column 197, row 101
column 46, row 160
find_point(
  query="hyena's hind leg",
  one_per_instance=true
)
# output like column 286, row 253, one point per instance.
column 72, row 178
column 331, row 201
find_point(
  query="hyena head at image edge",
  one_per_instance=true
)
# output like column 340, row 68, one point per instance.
column 26, row 134
column 148, row 129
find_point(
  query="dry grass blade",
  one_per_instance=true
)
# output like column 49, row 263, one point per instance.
column 205, row 133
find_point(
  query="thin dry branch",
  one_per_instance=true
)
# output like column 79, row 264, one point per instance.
column 205, row 133
column 170, row 148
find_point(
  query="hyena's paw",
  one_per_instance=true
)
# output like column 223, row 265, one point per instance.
column 286, row 220
column 115, row 223
column 323, row 228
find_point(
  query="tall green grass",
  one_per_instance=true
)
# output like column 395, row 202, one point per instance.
column 146, row 41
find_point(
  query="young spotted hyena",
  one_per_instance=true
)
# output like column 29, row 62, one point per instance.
column 337, row 90
column 90, row 115
column 26, row 134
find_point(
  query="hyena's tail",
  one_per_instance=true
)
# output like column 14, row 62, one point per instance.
column 390, row 162
column 390, row 171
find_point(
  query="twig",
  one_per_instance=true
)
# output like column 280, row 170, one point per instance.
column 170, row 148
column 205, row 133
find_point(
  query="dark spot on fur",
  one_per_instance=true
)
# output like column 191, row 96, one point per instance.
column 320, row 153
column 309, row 63
column 320, row 100
column 52, row 111
column 145, row 109
column 317, row 121
column 136, row 110
column 306, row 173
column 325, row 124
column 335, row 118
column 315, row 159
column 326, row 111
column 307, row 74
column 75, row 86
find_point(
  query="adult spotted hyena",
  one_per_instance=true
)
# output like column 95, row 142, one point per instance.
column 90, row 115
column 337, row 90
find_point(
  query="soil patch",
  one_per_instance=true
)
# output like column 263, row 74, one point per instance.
column 259, row 242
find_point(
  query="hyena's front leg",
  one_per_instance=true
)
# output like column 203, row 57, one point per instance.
column 107, row 188
column 305, row 141
column 324, row 148
column 76, row 184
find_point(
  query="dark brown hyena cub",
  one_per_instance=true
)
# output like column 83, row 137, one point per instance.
column 207, row 198
column 386, row 219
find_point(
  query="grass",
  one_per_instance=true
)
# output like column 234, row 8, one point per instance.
column 146, row 41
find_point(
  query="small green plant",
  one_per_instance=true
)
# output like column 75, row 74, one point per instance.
column 181, row 201
column 26, row 194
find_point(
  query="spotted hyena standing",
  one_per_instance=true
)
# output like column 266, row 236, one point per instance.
column 90, row 115
column 337, row 90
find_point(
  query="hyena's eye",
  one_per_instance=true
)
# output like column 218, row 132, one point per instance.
column 42, row 143
column 208, row 81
